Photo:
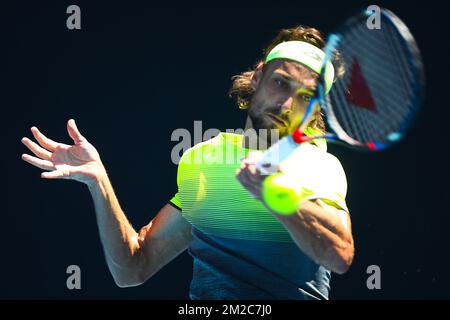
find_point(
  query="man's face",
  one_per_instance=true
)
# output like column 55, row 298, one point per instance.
column 282, row 93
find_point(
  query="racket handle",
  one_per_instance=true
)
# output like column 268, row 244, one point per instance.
column 277, row 153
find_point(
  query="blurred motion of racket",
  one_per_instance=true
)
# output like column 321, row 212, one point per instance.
column 371, row 106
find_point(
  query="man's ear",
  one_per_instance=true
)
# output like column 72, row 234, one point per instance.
column 257, row 75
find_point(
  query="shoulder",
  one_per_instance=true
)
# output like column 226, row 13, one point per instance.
column 331, row 162
column 197, row 152
column 311, row 163
column 310, row 155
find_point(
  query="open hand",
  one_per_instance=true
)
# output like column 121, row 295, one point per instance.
column 80, row 161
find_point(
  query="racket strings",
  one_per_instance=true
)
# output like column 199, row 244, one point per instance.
column 396, row 47
column 371, row 125
column 351, row 121
column 388, row 90
column 379, row 83
column 399, row 63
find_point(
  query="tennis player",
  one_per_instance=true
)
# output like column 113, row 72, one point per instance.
column 241, row 249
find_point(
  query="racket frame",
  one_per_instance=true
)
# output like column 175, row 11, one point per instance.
column 285, row 146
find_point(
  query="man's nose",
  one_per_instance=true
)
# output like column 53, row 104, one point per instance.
column 286, row 106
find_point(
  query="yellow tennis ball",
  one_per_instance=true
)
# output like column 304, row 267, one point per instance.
column 279, row 193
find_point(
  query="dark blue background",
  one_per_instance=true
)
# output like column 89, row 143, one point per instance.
column 137, row 71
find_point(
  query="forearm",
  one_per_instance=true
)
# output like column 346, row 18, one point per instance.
column 118, row 237
column 321, row 234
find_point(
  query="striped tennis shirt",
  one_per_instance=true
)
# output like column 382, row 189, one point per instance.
column 239, row 249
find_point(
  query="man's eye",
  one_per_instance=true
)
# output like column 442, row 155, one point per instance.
column 306, row 98
column 281, row 83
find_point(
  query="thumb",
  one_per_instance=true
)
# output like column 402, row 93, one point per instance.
column 74, row 133
column 56, row 174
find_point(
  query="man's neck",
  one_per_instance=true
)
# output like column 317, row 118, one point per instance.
column 262, row 142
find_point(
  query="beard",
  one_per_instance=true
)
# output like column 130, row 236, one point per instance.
column 264, row 126
column 261, row 122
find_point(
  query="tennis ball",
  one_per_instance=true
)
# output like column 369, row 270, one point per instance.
column 279, row 193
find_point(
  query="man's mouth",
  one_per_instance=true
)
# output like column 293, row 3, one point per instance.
column 277, row 119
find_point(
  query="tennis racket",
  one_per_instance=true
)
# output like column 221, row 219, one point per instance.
column 372, row 106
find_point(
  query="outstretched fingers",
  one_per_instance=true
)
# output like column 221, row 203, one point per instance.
column 45, row 142
column 40, row 163
column 36, row 149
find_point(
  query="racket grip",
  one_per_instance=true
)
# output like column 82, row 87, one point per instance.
column 276, row 154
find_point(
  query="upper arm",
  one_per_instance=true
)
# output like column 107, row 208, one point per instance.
column 164, row 238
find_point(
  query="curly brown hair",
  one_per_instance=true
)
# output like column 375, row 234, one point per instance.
column 242, row 89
